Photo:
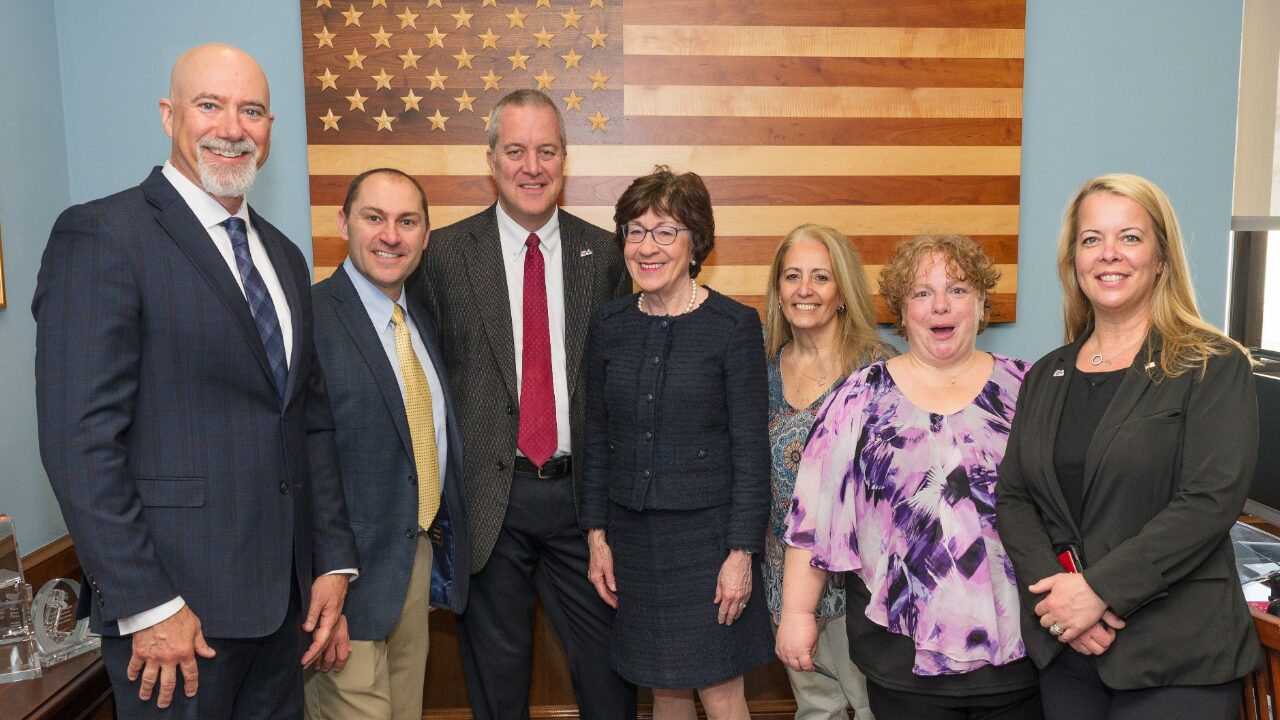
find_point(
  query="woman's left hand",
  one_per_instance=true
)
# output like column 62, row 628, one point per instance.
column 1071, row 604
column 733, row 587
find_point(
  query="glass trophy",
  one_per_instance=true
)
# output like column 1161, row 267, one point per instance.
column 59, row 635
column 18, row 656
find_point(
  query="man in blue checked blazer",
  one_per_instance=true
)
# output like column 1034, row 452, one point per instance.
column 399, row 449
column 184, row 422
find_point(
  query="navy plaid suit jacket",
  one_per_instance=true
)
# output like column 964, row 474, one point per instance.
column 177, row 468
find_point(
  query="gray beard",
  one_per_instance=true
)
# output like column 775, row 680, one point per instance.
column 228, row 182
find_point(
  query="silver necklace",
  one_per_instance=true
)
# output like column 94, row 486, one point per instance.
column 693, row 297
column 819, row 381
column 1097, row 358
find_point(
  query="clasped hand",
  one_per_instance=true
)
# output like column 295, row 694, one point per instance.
column 1087, row 625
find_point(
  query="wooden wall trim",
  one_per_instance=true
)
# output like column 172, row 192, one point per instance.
column 55, row 560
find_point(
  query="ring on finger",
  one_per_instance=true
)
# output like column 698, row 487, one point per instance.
column 1055, row 629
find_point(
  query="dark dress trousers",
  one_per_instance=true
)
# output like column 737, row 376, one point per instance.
column 678, row 472
column 178, row 467
column 375, row 453
column 523, row 530
column 1165, row 477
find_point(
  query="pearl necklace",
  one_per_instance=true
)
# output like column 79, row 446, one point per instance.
column 693, row 297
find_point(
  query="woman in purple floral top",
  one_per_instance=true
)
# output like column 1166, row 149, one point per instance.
column 896, row 489
column 819, row 326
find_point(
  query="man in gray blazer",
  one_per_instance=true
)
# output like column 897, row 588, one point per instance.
column 184, row 423
column 399, row 451
column 513, row 289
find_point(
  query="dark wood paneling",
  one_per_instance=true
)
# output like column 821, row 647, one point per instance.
column 823, row 71
column 873, row 249
column 821, row 131
column 899, row 13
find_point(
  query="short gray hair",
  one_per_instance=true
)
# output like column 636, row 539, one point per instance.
column 524, row 98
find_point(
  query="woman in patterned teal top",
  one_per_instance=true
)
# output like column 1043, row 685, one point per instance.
column 819, row 327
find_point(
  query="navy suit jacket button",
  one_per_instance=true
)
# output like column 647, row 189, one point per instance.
column 411, row 533
column 412, row 479
column 284, row 488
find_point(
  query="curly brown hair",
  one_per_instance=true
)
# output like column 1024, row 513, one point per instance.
column 683, row 196
column 966, row 260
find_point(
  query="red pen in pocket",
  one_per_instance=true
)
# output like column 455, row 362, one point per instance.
column 1069, row 559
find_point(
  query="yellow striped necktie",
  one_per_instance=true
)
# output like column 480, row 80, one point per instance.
column 422, row 425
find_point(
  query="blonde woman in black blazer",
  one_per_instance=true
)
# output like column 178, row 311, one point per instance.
column 1132, row 447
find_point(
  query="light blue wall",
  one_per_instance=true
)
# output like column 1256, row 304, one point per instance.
column 1146, row 86
column 33, row 190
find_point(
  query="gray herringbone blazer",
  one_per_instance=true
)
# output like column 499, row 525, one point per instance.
column 463, row 284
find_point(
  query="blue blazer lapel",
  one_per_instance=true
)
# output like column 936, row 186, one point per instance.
column 185, row 230
column 354, row 318
column 273, row 241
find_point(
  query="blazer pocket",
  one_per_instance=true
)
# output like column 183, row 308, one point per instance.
column 1170, row 415
column 171, row 491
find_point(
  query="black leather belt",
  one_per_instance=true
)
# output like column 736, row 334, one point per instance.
column 556, row 467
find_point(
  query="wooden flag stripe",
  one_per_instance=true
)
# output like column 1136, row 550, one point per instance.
column 755, row 101
column 799, row 190
column 824, row 71
column 824, row 131
column 1003, row 307
column 778, row 220
column 635, row 160
column 822, row 41
column 329, row 250
column 900, row 13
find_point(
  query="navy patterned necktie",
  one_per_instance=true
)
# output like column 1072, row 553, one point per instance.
column 260, row 304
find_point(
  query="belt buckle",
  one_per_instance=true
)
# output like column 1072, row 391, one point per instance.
column 545, row 466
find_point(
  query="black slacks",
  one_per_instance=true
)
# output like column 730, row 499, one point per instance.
column 539, row 550
column 1071, row 689
column 248, row 679
column 890, row 704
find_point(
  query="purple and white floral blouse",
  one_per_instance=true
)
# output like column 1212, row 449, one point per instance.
column 906, row 499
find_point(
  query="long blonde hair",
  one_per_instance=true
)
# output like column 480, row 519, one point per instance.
column 1186, row 340
column 858, row 340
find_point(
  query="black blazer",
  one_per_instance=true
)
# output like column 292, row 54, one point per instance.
column 1166, row 476
column 178, row 469
column 379, row 474
column 678, row 415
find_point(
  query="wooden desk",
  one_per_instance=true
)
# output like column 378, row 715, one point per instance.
column 77, row 689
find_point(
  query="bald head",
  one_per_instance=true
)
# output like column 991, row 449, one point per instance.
column 218, row 115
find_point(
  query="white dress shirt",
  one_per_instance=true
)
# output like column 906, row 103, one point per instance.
column 379, row 307
column 513, row 254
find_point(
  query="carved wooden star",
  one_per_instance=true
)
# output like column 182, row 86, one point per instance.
column 572, row 102
column 572, row 59
column 597, row 38
column 490, row 80
column 410, row 59
column 438, row 121
column 383, row 38
column 353, row 16
column 464, row 59
column 323, row 3
column 382, row 79
column 464, row 102
column 325, row 37
column 357, row 101
column 355, row 59
column 544, row 38
column 489, row 39
column 598, row 122
column 437, row 80
column 543, row 3
column 517, row 60
column 435, row 3
column 384, row 121
column 484, row 3
column 328, row 80
column 435, row 38
column 487, row 120
column 516, row 18
column 598, row 80
column 377, row 3
column 330, row 120
column 462, row 17
column 596, row 3
column 408, row 19
column 571, row 19
column 544, row 79
column 410, row 100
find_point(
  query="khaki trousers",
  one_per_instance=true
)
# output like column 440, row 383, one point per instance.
column 383, row 679
column 821, row 698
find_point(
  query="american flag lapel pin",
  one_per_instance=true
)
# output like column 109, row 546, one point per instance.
column 585, row 253
column 1059, row 372
column 1149, row 366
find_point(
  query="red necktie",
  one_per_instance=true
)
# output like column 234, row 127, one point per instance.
column 537, row 438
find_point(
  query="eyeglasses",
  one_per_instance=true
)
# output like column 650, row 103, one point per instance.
column 663, row 234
